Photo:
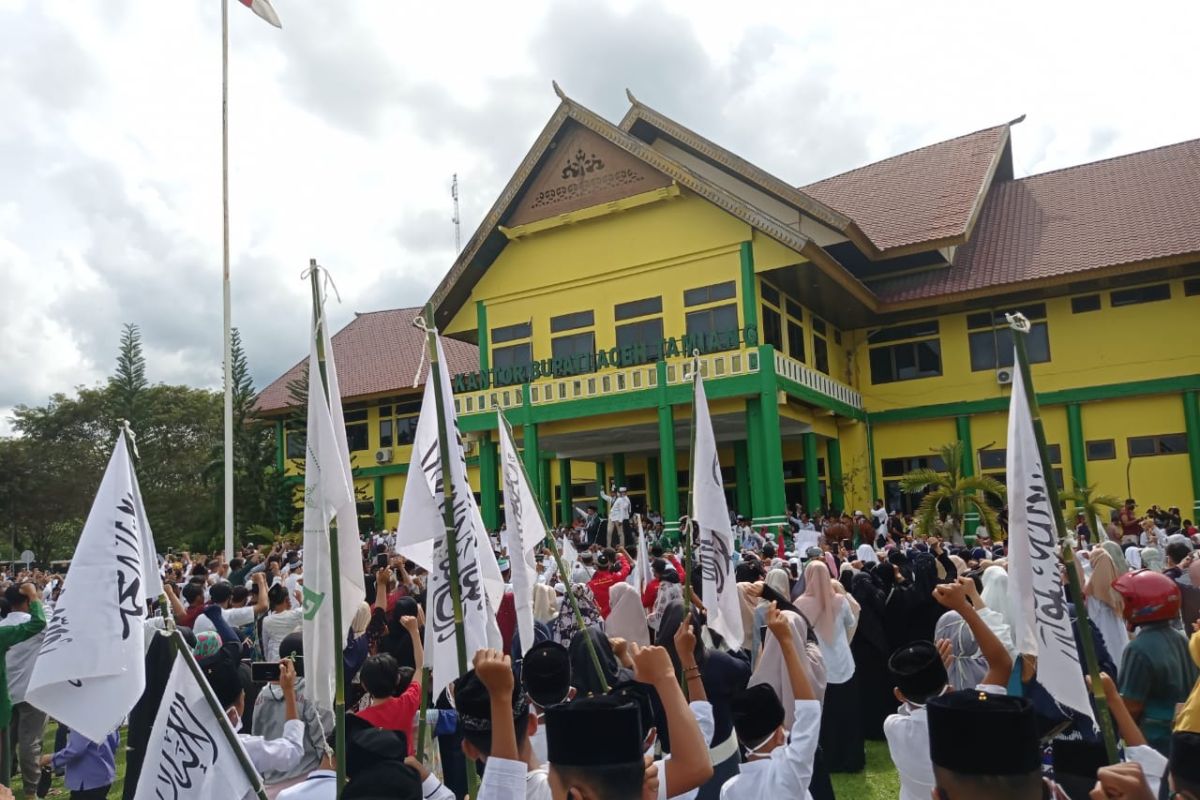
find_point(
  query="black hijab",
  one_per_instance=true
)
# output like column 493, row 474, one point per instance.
column 668, row 626
column 397, row 642
column 583, row 671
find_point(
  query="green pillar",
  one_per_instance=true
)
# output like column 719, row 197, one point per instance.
column 481, row 322
column 774, row 497
column 1191, row 415
column 619, row 469
column 962, row 426
column 833, row 464
column 602, row 486
column 377, row 491
column 666, row 446
column 749, row 294
column 533, row 464
column 812, row 478
column 754, row 447
column 565, row 507
column 546, row 489
column 1075, row 442
column 741, row 472
column 489, row 492
column 653, row 493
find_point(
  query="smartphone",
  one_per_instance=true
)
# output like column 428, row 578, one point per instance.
column 264, row 671
column 381, row 561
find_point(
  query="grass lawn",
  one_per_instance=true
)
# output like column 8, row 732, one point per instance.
column 879, row 781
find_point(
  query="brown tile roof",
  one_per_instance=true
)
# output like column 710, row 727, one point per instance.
column 925, row 195
column 1131, row 209
column 377, row 353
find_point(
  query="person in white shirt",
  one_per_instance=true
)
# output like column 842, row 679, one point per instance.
column 222, row 593
column 279, row 755
column 919, row 672
column 775, row 766
column 619, row 512
column 880, row 514
column 280, row 622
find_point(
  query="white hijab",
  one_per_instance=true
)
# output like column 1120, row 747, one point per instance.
column 772, row 669
column 1133, row 556
column 627, row 617
column 995, row 593
column 866, row 554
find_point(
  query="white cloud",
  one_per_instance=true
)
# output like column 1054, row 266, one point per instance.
column 346, row 125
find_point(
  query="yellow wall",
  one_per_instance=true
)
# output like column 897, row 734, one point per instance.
column 1112, row 345
column 1161, row 480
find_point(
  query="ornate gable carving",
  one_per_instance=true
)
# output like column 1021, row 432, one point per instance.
column 581, row 170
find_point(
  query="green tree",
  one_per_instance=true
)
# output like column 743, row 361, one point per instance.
column 128, row 385
column 951, row 492
column 1095, row 507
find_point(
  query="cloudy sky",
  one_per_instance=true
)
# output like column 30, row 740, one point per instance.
column 347, row 125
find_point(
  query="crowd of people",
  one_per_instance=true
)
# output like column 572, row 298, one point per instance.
column 856, row 627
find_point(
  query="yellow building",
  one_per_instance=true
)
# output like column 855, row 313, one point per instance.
column 846, row 328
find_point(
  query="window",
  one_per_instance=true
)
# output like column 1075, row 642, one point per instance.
column 770, row 294
column 709, row 294
column 576, row 344
column 1101, row 450
column 1165, row 444
column 569, row 322
column 993, row 347
column 772, row 328
column 398, row 423
column 296, row 443
column 713, row 329
column 995, row 319
column 1191, row 287
column 795, row 340
column 1140, row 294
column 821, row 346
column 510, row 332
column 510, row 363
column 392, row 506
column 1085, row 303
column 896, row 467
column 645, row 337
column 996, row 458
column 357, row 429
column 905, row 360
column 637, row 308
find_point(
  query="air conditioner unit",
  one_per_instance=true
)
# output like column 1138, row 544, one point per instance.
column 1004, row 375
column 383, row 455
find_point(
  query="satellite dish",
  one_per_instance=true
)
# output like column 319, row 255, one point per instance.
column 27, row 557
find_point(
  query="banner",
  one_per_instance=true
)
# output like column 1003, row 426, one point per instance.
column 188, row 756
column 641, row 574
column 1042, row 626
column 90, row 670
column 421, row 537
column 719, row 591
column 526, row 533
column 328, row 497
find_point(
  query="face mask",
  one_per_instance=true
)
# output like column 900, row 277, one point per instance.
column 760, row 751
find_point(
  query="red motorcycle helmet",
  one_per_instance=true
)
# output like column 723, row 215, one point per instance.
column 1149, row 596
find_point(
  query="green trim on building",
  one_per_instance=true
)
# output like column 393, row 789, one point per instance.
column 749, row 294
column 601, row 486
column 1075, row 445
column 1085, row 394
column 533, row 464
column 754, row 435
column 817, row 399
column 484, row 336
column 489, row 493
column 1191, row 416
column 833, row 467
column 618, row 469
column 377, row 496
column 546, row 492
column 280, row 447
column 666, row 446
column 812, row 478
column 564, row 491
column 741, row 478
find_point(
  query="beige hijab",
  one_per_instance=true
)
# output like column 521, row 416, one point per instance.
column 626, row 618
column 1100, row 583
column 362, row 618
column 772, row 669
column 820, row 604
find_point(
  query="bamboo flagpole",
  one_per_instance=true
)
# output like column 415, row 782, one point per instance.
column 451, row 532
column 562, row 571
column 1020, row 326
column 339, row 636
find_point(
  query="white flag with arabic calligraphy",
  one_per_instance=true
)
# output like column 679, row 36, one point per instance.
column 527, row 533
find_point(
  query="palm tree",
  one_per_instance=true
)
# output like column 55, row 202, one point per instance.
column 1090, row 504
column 952, row 491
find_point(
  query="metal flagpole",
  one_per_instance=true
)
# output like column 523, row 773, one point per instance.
column 225, row 280
column 689, row 533
column 1020, row 327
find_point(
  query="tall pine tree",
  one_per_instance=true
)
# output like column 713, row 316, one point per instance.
column 128, row 385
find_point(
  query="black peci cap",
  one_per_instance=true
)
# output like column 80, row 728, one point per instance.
column 956, row 720
column 546, row 673
column 639, row 695
column 474, row 704
column 594, row 732
column 757, row 713
column 1185, row 756
column 918, row 671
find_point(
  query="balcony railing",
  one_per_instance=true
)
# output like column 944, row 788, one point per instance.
column 819, row 382
column 713, row 366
